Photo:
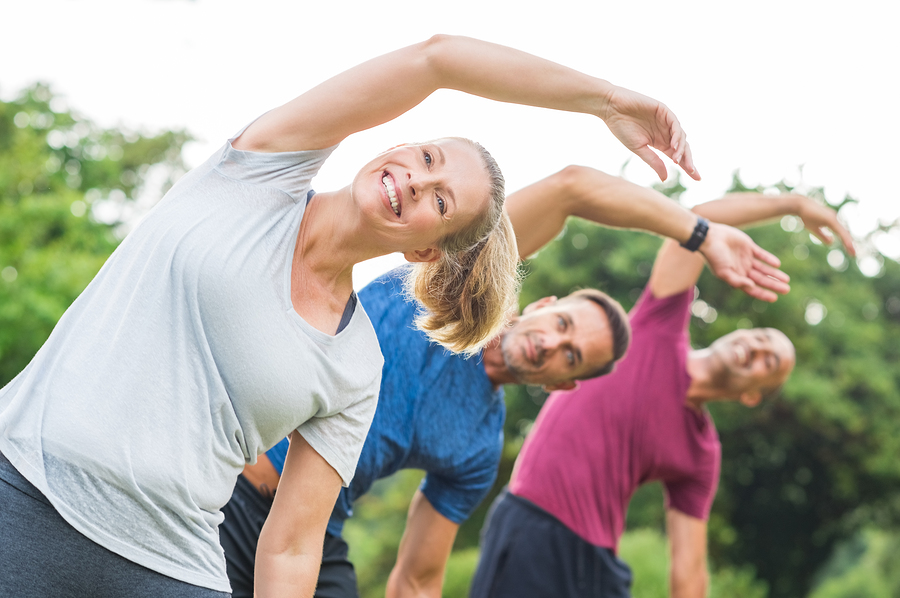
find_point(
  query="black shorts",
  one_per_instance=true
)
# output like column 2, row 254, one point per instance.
column 245, row 515
column 526, row 551
column 42, row 555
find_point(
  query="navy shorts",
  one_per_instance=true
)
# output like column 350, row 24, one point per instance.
column 245, row 515
column 42, row 555
column 526, row 551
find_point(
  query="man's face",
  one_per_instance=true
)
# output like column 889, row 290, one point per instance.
column 555, row 342
column 751, row 362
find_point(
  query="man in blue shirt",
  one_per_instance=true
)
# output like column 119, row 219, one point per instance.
column 442, row 413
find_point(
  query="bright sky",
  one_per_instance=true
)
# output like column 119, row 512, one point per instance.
column 766, row 86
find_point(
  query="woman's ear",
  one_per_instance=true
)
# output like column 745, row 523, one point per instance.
column 429, row 254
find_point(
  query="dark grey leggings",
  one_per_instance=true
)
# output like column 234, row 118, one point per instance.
column 42, row 555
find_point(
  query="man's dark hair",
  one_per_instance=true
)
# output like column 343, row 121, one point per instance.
column 619, row 326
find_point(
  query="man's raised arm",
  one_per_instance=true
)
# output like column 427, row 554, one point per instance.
column 677, row 269
column 539, row 211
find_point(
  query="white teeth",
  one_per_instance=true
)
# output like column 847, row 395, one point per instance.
column 392, row 193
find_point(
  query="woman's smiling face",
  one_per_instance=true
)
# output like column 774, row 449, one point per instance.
column 421, row 194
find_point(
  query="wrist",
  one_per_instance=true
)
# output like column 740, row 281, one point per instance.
column 795, row 204
column 698, row 235
column 602, row 99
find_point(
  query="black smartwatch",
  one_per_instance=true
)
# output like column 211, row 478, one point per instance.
column 698, row 236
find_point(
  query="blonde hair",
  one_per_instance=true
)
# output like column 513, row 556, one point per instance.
column 470, row 290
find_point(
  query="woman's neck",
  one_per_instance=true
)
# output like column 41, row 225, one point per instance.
column 331, row 240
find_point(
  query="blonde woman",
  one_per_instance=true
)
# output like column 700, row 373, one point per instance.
column 227, row 320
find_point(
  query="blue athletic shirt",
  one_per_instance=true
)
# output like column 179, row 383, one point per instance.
column 436, row 411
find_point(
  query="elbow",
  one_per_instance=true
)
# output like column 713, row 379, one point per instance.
column 569, row 181
column 437, row 40
column 575, row 184
column 702, row 210
column 571, row 177
column 435, row 47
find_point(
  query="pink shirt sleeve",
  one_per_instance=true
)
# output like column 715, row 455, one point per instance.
column 694, row 495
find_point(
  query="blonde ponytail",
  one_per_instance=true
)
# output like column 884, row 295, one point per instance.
column 471, row 290
column 469, row 296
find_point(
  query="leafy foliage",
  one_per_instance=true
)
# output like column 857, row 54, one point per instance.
column 801, row 473
column 58, row 172
column 806, row 478
column 646, row 552
column 864, row 565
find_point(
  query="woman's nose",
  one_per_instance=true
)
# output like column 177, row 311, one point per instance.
column 419, row 184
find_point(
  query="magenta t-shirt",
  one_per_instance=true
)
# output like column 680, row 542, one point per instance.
column 592, row 447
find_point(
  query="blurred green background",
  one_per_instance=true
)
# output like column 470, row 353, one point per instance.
column 809, row 501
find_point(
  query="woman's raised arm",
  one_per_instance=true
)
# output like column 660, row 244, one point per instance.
column 385, row 87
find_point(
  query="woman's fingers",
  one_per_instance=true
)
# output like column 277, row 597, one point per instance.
column 687, row 163
column 678, row 139
column 679, row 148
column 654, row 161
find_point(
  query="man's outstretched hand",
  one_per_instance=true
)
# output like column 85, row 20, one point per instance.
column 735, row 258
column 819, row 220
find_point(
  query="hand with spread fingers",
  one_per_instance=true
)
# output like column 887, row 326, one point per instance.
column 733, row 256
column 822, row 221
column 642, row 123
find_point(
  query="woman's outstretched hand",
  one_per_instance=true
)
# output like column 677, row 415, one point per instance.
column 735, row 258
column 641, row 123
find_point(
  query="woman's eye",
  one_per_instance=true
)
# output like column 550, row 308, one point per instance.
column 570, row 357
column 562, row 322
column 428, row 160
column 441, row 206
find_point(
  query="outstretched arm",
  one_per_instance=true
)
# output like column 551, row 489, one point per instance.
column 747, row 208
column 676, row 269
column 290, row 545
column 539, row 211
column 424, row 550
column 385, row 87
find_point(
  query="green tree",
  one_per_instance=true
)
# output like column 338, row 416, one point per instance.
column 67, row 194
column 865, row 565
column 801, row 472
column 647, row 553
